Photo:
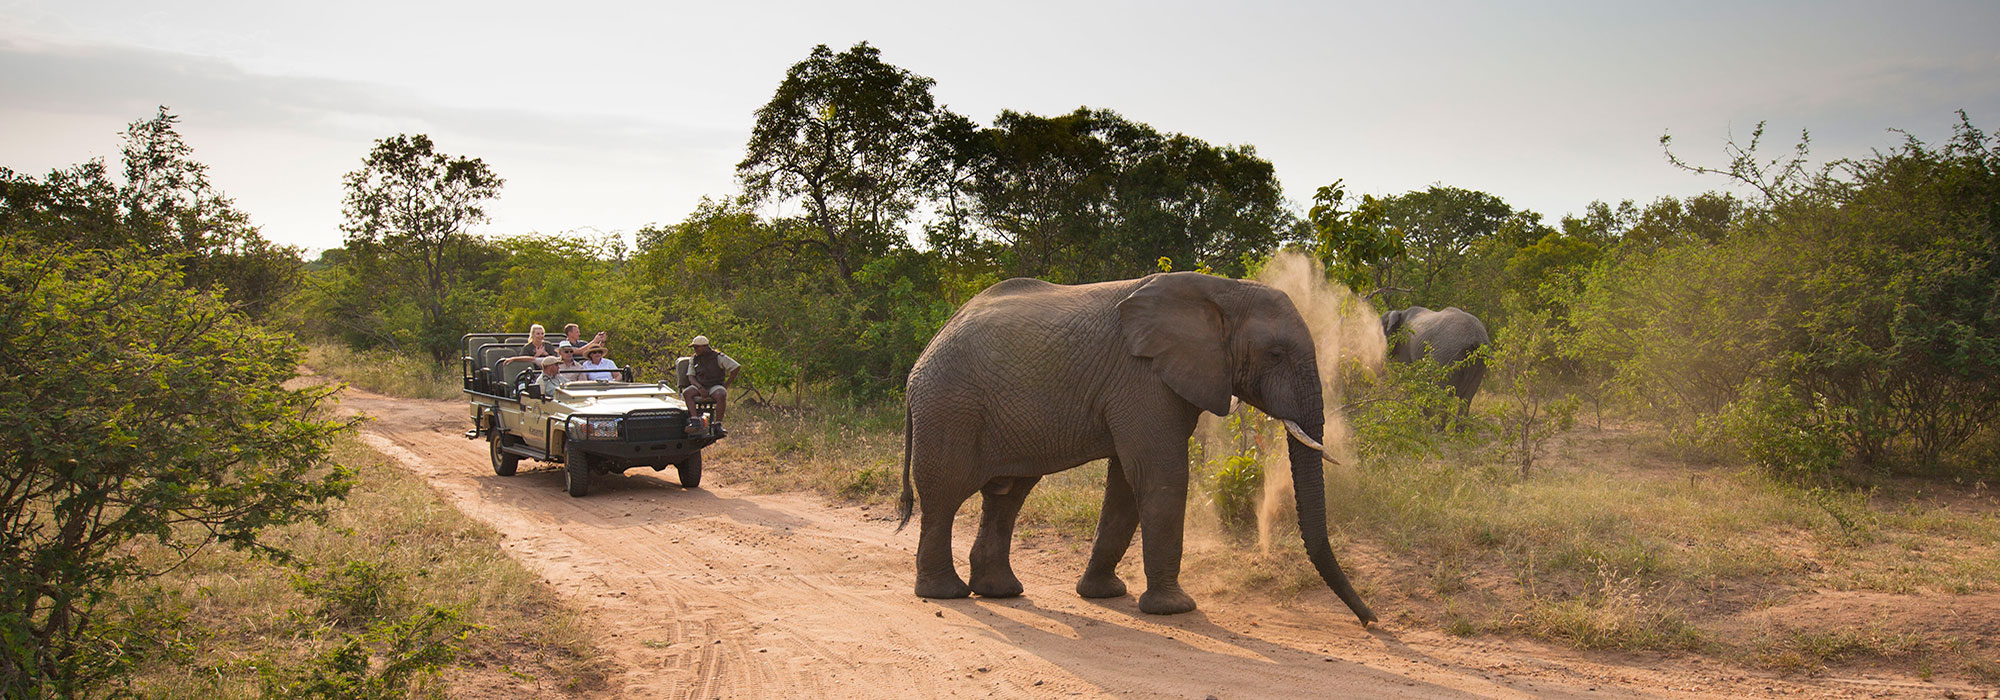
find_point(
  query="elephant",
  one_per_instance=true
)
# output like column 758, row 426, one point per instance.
column 1447, row 337
column 1029, row 378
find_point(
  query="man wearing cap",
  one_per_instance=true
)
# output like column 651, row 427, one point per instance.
column 552, row 377
column 708, row 377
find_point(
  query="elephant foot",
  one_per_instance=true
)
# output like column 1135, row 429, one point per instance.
column 942, row 587
column 1105, row 587
column 996, row 586
column 1171, row 601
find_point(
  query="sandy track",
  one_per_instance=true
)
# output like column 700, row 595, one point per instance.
column 720, row 593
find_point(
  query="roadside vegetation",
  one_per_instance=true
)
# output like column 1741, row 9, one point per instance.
column 1705, row 417
column 396, row 594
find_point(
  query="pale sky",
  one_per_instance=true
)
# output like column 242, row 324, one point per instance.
column 609, row 116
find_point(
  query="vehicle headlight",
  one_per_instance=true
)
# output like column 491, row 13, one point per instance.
column 597, row 429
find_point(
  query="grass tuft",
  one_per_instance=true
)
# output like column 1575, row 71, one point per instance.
column 385, row 372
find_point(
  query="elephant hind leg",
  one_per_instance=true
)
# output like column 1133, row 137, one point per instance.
column 992, row 572
column 1116, row 522
column 936, row 577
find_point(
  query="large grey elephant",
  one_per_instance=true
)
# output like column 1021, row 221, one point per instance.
column 1031, row 378
column 1447, row 337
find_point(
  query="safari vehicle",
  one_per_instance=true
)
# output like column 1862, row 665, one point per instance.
column 590, row 427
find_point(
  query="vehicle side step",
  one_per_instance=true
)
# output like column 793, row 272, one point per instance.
column 528, row 452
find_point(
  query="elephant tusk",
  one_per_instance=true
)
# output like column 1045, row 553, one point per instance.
column 1300, row 435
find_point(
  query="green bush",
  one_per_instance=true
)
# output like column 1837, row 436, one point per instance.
column 1783, row 433
column 162, row 414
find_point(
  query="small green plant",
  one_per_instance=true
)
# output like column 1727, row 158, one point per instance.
column 1234, row 486
column 1536, row 406
column 356, row 591
column 871, row 480
column 388, row 661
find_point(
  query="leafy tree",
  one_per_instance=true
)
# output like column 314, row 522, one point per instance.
column 158, row 412
column 1090, row 196
column 845, row 135
column 1669, row 221
column 1439, row 226
column 165, row 206
column 1357, row 247
column 408, row 210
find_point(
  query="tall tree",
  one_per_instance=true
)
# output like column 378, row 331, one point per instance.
column 1439, row 225
column 412, row 206
column 1090, row 195
column 845, row 135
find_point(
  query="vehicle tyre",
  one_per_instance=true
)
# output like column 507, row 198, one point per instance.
column 690, row 471
column 577, row 471
column 504, row 463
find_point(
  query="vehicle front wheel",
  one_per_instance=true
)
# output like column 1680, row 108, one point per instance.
column 690, row 471
column 576, row 472
column 504, row 463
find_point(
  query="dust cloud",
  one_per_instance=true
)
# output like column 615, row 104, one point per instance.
column 1347, row 332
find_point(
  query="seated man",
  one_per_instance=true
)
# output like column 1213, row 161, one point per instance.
column 574, row 335
column 571, row 357
column 606, row 369
column 552, row 377
column 708, row 376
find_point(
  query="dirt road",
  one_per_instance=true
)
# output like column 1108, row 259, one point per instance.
column 720, row 593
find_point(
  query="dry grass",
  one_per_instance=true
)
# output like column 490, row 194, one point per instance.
column 391, row 550
column 387, row 373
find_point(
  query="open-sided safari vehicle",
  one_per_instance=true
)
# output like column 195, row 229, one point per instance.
column 590, row 427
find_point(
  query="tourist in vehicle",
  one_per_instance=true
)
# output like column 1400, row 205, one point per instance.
column 574, row 334
column 537, row 346
column 604, row 369
column 552, row 377
column 708, row 376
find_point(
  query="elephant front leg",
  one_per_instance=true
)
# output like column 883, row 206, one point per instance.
column 992, row 572
column 1115, row 524
column 1162, row 498
column 936, row 577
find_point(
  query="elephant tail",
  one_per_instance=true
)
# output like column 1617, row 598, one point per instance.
column 908, row 503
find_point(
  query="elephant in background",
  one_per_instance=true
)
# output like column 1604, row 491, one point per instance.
column 1447, row 337
column 1031, row 378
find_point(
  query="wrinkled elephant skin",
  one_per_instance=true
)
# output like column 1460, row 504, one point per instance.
column 1031, row 378
column 1446, row 337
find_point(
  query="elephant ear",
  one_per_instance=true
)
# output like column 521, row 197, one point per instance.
column 1393, row 321
column 1172, row 319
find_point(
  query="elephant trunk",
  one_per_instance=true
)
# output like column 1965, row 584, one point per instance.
column 1309, row 486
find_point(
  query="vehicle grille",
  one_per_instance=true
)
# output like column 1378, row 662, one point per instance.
column 665, row 425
